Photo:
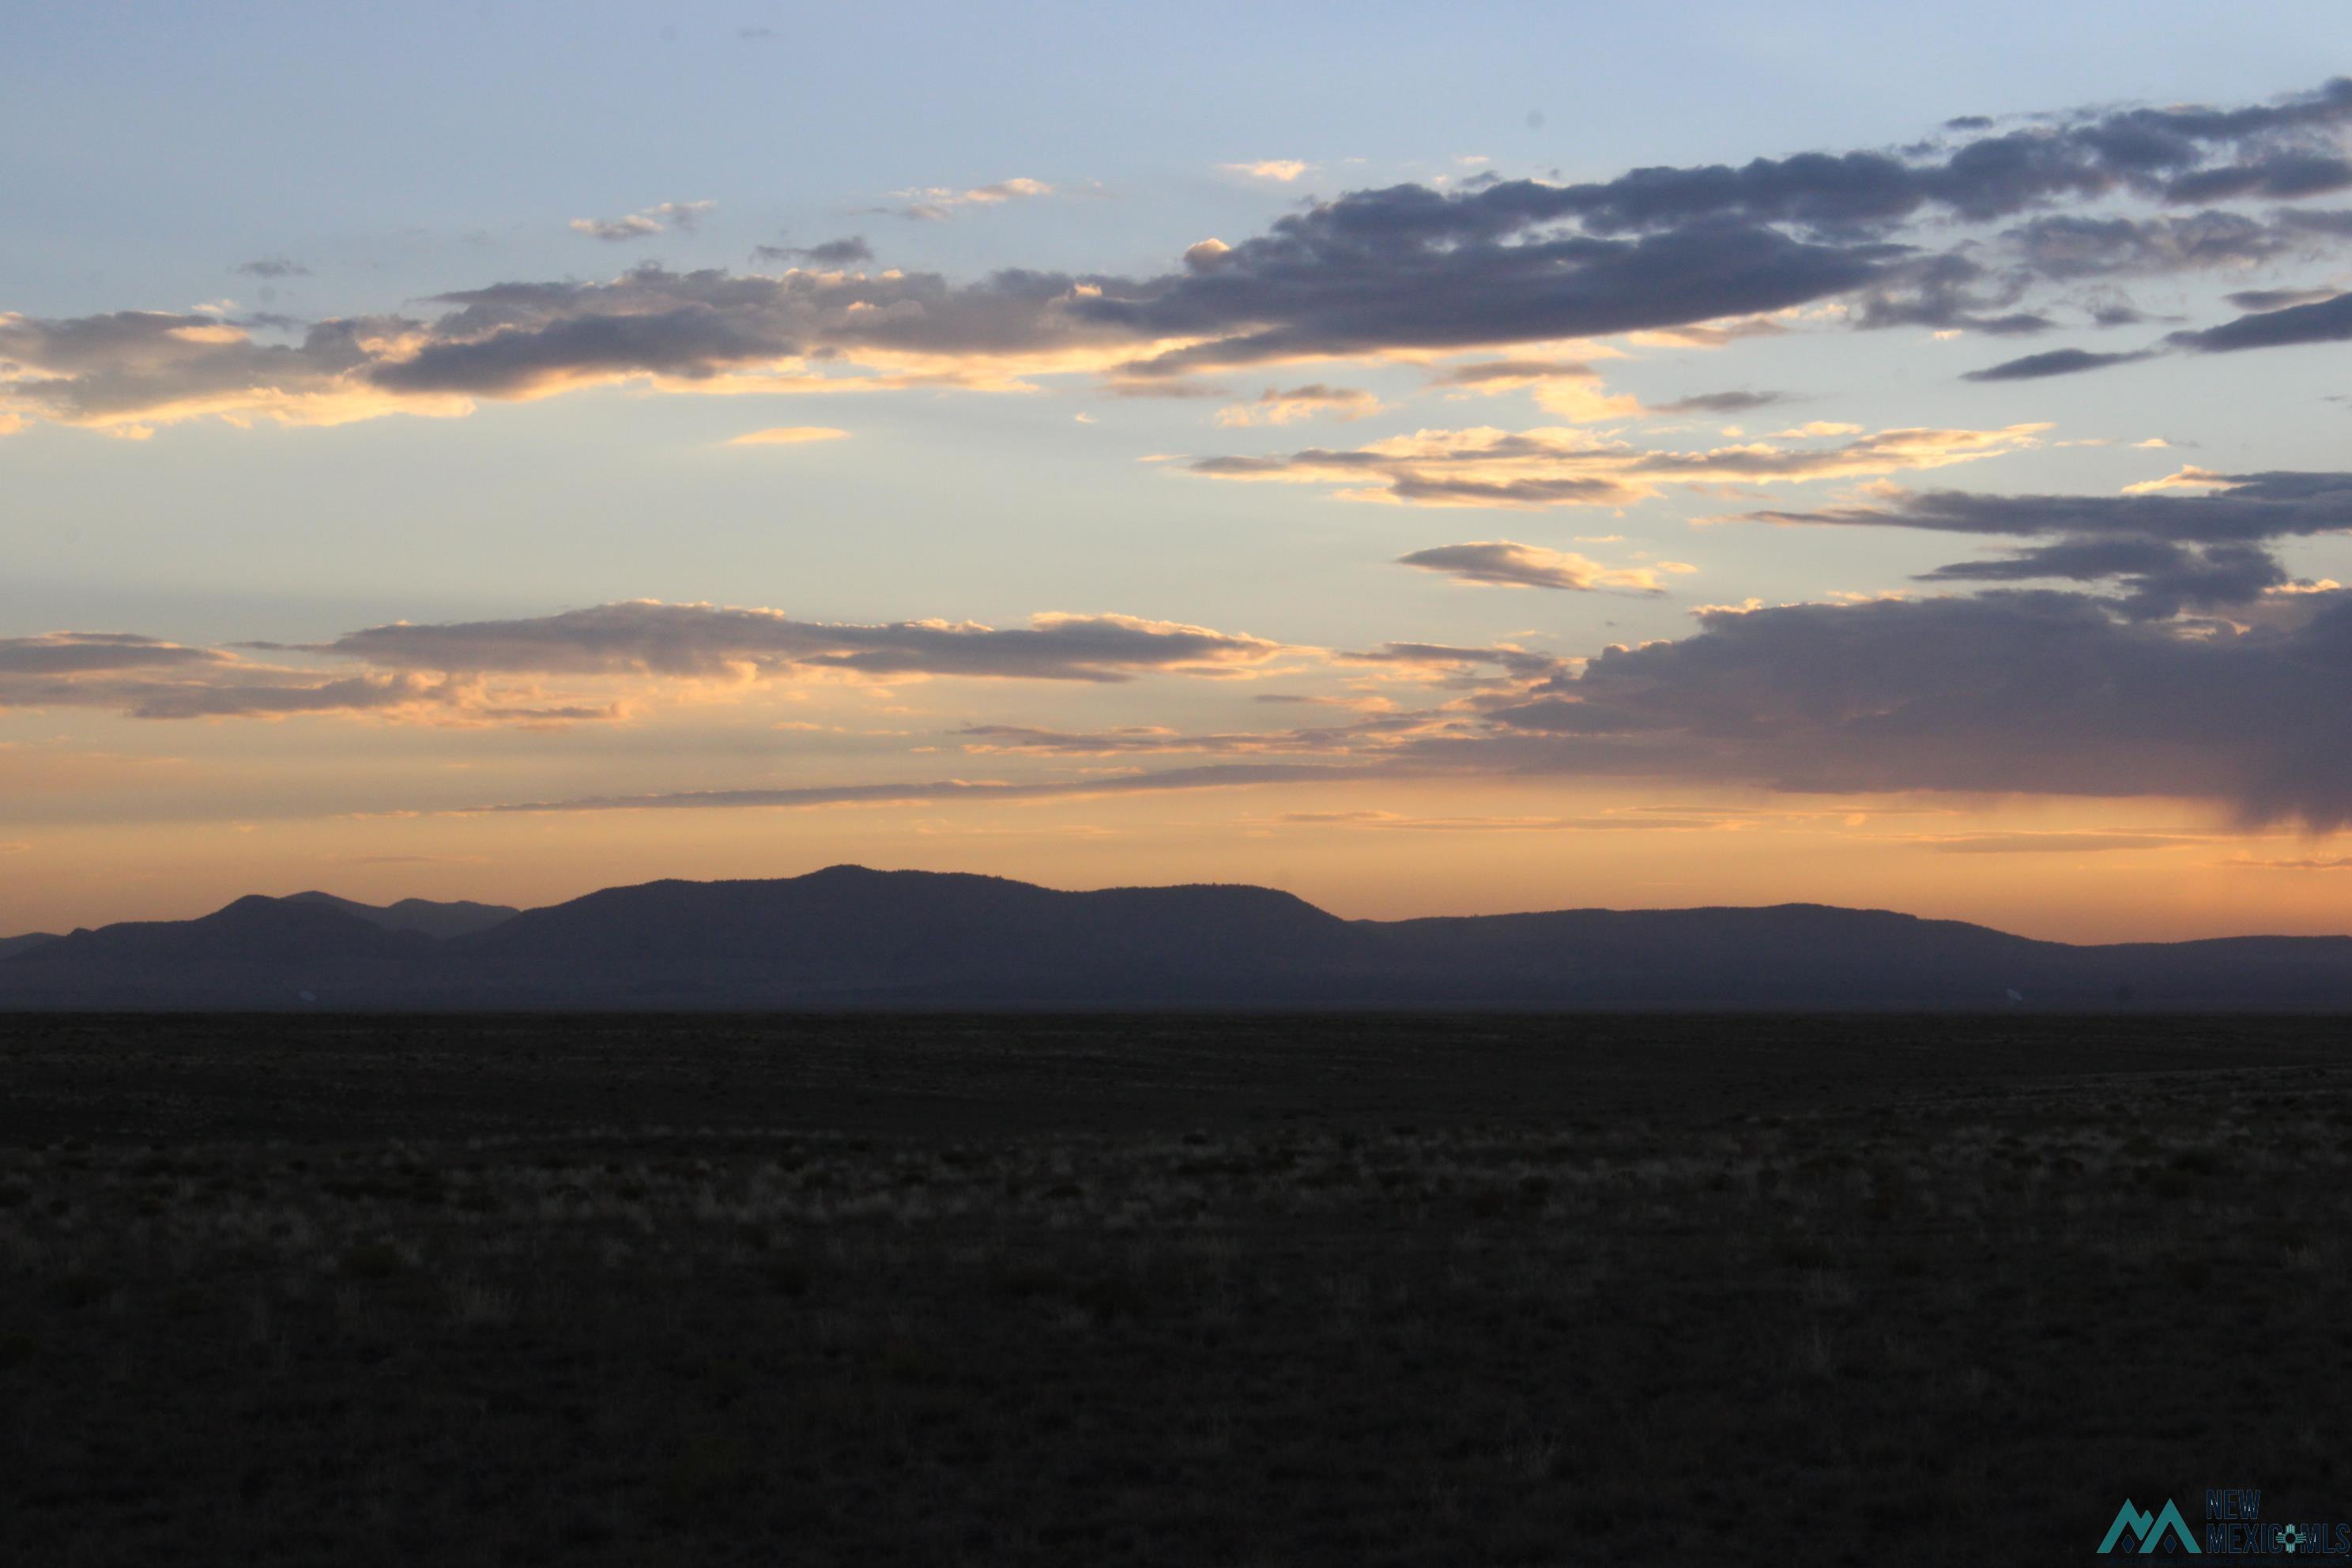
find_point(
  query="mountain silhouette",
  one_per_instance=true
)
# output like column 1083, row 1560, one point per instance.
column 456, row 918
column 851, row 938
column 11, row 945
column 255, row 952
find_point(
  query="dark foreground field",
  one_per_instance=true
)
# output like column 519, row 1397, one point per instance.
column 1179, row 1290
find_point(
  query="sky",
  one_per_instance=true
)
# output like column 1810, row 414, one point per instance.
column 1530, row 457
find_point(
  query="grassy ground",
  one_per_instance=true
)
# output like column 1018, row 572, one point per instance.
column 1179, row 1290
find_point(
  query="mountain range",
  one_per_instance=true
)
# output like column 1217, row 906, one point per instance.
column 851, row 938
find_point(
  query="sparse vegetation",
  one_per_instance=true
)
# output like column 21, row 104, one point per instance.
column 922, row 1292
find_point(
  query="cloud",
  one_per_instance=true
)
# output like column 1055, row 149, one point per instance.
column 658, row 219
column 2057, row 362
column 706, row 331
column 1569, row 388
column 214, row 686
column 1510, row 374
column 2073, row 246
column 1224, row 775
column 1283, row 170
column 2037, row 692
column 1391, row 821
column 2325, row 321
column 1679, row 255
column 2005, row 692
column 272, row 267
column 634, row 226
column 2195, row 541
column 1160, row 739
column 937, row 203
column 789, row 436
column 1721, row 403
column 1409, row 267
column 1445, row 664
column 848, row 251
column 81, row 653
column 2059, row 843
column 2183, row 153
column 1503, row 563
column 1283, row 407
column 498, row 672
column 708, row 642
column 2260, row 299
column 1664, row 247
column 2231, row 508
column 1563, row 467
column 127, row 369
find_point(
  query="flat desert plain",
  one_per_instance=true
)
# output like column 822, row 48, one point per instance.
column 1168, row 1289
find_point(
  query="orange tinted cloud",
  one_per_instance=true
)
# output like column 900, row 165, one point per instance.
column 789, row 436
column 1558, row 466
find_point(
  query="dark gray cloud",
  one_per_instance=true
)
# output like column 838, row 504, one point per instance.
column 2197, row 547
column 691, row 342
column 848, row 251
column 133, row 365
column 2327, row 225
column 1722, row 402
column 78, row 653
column 2326, row 321
column 2008, row 692
column 1486, row 373
column 273, row 268
column 2192, row 507
column 2068, row 246
column 2164, row 579
column 1410, row 267
column 1321, row 395
column 1454, row 662
column 702, row 641
column 2283, row 150
column 511, row 339
column 260, row 698
column 2277, row 299
column 2056, row 362
column 2279, row 176
column 1950, row 292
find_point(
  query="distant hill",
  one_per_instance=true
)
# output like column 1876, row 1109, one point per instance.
column 851, row 938
column 11, row 945
column 255, row 952
column 458, row 917
column 849, row 935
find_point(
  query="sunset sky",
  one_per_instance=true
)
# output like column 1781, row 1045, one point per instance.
column 1432, row 462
